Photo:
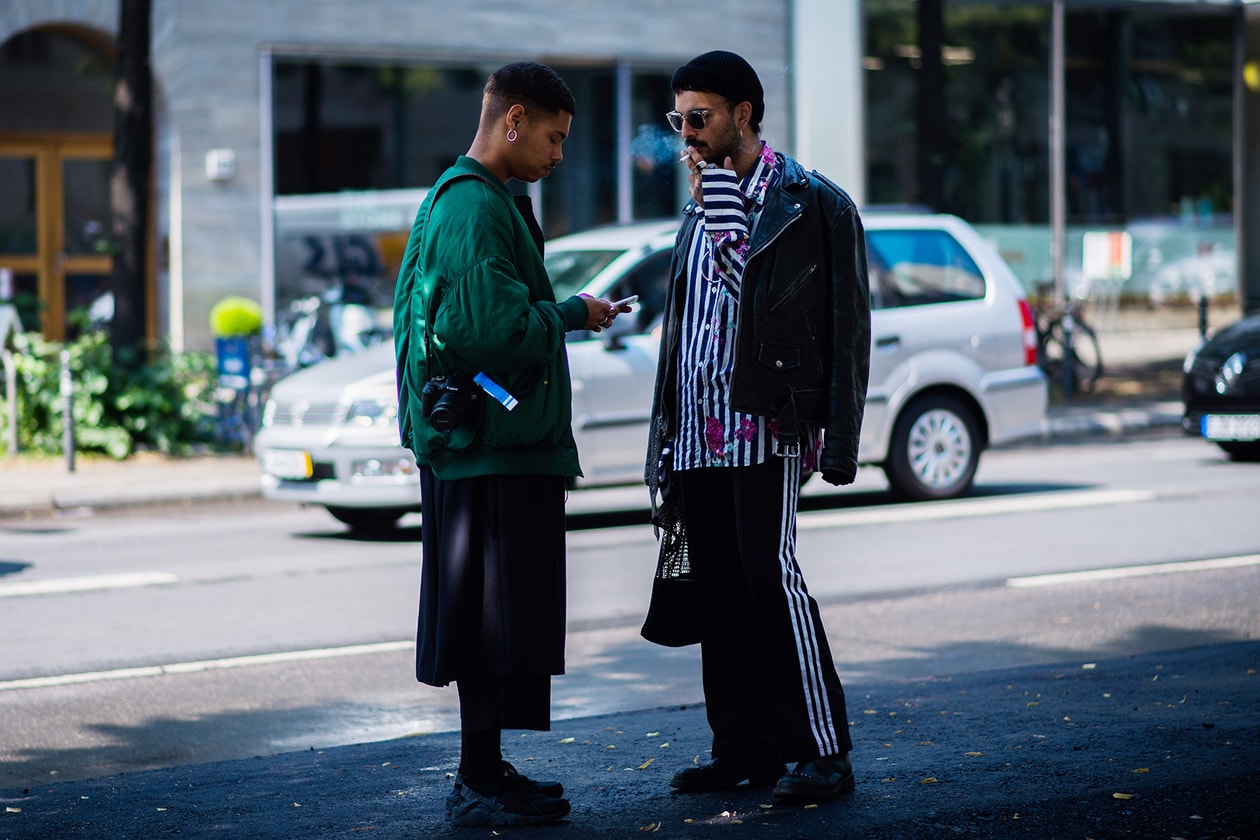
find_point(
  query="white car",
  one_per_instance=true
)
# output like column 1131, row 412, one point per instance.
column 953, row 371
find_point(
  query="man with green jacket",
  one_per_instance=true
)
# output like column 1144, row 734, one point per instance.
column 484, row 402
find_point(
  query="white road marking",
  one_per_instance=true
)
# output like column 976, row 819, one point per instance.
column 204, row 665
column 94, row 583
column 961, row 508
column 1121, row 572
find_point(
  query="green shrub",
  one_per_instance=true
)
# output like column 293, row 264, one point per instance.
column 234, row 317
column 165, row 405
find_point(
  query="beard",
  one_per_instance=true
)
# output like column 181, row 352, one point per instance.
column 725, row 145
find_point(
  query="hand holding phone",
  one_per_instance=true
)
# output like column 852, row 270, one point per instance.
column 625, row 302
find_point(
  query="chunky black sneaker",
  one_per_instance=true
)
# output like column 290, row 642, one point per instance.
column 815, row 781
column 546, row 787
column 724, row 774
column 517, row 801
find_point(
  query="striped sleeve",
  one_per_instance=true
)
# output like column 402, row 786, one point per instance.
column 726, row 223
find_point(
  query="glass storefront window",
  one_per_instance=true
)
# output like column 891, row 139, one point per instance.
column 361, row 126
column 1180, row 100
column 997, row 62
column 654, row 148
column 85, row 184
column 26, row 298
column 993, row 141
column 89, row 302
column 1148, row 136
column 341, row 126
column 582, row 191
column 356, row 144
column 55, row 81
column 17, row 205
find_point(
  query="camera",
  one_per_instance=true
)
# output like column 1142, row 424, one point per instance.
column 448, row 402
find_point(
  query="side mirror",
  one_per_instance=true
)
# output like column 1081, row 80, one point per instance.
column 625, row 324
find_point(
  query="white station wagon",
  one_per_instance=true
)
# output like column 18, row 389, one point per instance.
column 953, row 371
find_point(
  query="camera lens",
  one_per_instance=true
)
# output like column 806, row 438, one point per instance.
column 445, row 415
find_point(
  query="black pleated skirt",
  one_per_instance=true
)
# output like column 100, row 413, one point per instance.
column 492, row 588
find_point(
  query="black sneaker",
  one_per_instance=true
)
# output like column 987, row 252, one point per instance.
column 724, row 774
column 546, row 787
column 815, row 781
column 516, row 802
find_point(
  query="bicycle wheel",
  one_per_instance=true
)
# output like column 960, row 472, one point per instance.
column 1086, row 355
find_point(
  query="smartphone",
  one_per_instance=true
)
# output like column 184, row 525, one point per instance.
column 626, row 301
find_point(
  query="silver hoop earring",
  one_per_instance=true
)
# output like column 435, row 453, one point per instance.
column 512, row 135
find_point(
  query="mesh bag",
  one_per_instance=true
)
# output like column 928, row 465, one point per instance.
column 673, row 614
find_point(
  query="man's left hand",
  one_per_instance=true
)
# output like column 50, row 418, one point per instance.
column 839, row 478
column 601, row 313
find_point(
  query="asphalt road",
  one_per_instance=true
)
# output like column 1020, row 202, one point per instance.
column 163, row 638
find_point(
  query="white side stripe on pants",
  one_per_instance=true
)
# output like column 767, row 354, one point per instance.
column 817, row 705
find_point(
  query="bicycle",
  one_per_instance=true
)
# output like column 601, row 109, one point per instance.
column 1062, row 333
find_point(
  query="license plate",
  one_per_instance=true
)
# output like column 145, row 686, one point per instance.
column 286, row 463
column 1231, row 426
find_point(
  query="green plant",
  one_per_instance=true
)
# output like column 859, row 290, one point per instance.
column 165, row 405
column 235, row 316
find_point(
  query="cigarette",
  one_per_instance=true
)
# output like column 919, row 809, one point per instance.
column 685, row 155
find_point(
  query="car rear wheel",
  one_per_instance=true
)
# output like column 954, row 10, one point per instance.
column 368, row 520
column 1244, row 451
column 935, row 449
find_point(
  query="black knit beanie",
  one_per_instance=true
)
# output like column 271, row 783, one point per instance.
column 725, row 74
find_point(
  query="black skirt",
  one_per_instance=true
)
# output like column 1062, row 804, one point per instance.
column 492, row 589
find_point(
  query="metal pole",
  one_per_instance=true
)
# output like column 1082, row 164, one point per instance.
column 1058, row 189
column 67, row 410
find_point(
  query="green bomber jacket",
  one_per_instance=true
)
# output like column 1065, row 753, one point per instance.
column 474, row 297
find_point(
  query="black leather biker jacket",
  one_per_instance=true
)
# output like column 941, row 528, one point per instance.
column 803, row 333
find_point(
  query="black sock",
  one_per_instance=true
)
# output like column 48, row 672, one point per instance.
column 481, row 760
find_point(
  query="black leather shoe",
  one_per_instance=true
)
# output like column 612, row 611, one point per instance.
column 817, row 780
column 725, row 774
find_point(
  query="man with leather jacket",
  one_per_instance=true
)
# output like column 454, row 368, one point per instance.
column 761, row 380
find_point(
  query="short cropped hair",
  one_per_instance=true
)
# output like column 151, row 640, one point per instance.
column 528, row 83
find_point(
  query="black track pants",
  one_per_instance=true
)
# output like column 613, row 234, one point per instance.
column 770, row 684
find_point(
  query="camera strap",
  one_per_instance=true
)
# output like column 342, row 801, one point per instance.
column 494, row 389
column 430, row 299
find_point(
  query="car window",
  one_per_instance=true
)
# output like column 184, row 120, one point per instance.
column 647, row 280
column 917, row 267
column 571, row 270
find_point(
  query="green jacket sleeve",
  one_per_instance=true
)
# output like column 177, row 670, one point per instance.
column 495, row 309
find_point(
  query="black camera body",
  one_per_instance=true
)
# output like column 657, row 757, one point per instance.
column 449, row 402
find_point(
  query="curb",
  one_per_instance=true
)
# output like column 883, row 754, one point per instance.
column 1112, row 422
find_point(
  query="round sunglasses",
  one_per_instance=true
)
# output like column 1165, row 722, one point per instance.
column 697, row 118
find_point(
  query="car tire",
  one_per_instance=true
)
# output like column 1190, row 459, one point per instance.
column 367, row 520
column 1246, row 451
column 935, row 449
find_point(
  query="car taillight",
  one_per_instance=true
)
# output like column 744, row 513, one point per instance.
column 1030, row 333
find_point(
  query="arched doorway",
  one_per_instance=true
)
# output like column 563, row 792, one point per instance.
column 56, row 140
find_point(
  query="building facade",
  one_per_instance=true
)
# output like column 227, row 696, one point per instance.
column 294, row 139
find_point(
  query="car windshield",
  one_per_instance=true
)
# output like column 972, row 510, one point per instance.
column 571, row 270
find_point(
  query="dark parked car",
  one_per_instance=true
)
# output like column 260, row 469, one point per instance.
column 1221, row 390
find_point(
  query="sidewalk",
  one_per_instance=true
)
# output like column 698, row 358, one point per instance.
column 1158, row 746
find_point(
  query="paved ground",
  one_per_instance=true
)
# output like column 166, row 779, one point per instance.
column 1159, row 746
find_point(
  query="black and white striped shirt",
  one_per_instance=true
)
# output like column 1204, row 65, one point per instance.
column 710, row 432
